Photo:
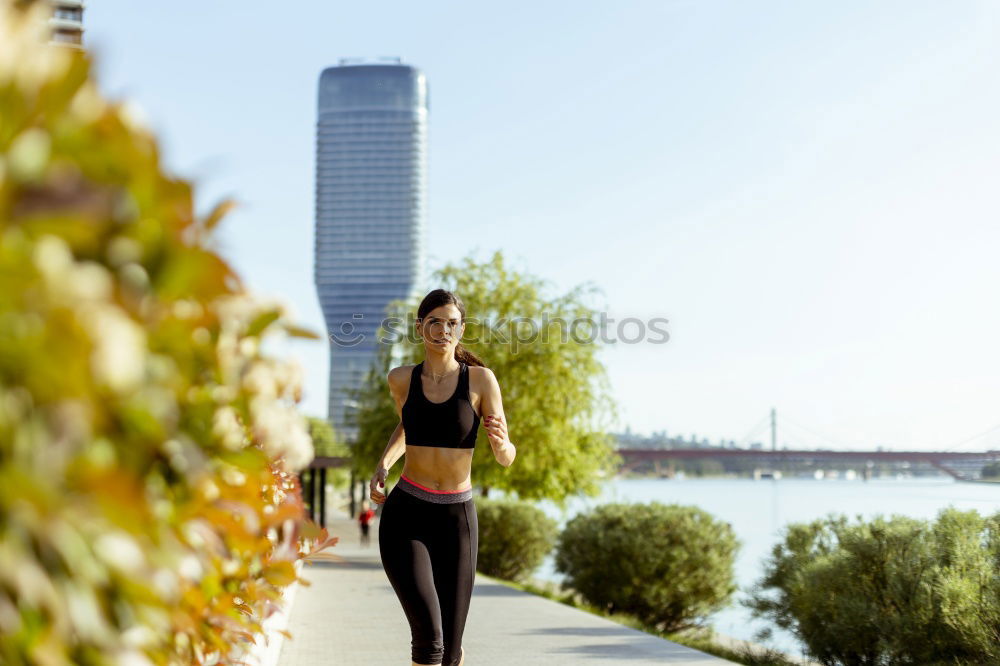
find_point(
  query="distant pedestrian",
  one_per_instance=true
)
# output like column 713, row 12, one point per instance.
column 364, row 520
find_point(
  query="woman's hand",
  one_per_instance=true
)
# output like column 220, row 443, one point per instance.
column 378, row 480
column 496, row 430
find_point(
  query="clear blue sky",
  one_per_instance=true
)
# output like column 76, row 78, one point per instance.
column 807, row 191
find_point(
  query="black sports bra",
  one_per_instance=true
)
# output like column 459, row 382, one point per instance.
column 452, row 424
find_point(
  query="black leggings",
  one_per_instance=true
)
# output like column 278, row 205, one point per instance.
column 429, row 554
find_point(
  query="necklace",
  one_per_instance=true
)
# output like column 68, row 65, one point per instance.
column 434, row 374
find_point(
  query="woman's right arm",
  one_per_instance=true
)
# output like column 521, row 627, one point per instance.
column 397, row 441
column 395, row 449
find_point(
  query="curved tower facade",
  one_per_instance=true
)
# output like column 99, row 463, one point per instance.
column 371, row 162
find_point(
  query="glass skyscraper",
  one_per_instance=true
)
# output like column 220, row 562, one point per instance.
column 371, row 157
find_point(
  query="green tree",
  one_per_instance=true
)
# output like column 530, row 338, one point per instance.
column 326, row 442
column 555, row 389
column 324, row 438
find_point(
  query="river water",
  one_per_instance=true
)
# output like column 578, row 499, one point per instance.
column 758, row 510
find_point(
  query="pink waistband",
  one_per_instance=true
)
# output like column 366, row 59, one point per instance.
column 431, row 490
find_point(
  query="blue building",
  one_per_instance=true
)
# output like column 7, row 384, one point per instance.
column 371, row 156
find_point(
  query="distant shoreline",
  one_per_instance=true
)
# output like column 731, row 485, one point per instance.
column 803, row 477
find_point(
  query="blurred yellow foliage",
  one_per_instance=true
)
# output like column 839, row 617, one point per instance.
column 149, row 505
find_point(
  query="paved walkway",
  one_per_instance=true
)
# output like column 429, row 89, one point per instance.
column 350, row 615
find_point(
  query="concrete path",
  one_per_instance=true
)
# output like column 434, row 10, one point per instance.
column 350, row 615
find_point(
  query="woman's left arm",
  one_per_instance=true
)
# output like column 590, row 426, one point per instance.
column 491, row 406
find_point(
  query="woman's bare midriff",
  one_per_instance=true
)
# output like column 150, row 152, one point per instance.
column 438, row 467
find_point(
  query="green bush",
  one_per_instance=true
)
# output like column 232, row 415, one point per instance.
column 670, row 566
column 514, row 538
column 149, row 511
column 888, row 591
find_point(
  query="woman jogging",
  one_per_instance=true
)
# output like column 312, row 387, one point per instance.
column 429, row 531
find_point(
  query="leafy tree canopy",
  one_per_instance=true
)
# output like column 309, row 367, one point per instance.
column 544, row 352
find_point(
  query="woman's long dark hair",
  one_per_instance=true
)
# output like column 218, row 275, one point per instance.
column 436, row 299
